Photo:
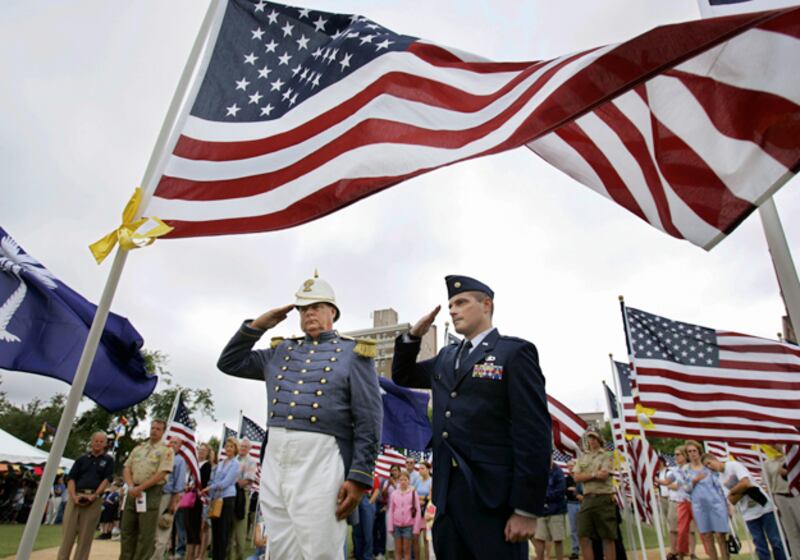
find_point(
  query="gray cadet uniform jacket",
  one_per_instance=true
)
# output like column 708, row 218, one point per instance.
column 317, row 386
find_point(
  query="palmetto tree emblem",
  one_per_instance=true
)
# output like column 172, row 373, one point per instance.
column 14, row 261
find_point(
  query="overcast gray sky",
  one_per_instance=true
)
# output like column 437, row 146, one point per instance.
column 86, row 85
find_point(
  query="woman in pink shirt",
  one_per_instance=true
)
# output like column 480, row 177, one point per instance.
column 404, row 517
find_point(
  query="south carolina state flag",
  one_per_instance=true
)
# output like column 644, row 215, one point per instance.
column 44, row 325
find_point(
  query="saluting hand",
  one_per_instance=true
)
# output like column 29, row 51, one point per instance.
column 267, row 320
column 423, row 325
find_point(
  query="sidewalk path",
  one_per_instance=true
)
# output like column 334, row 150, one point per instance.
column 101, row 550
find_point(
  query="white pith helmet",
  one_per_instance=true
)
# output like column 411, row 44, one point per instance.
column 316, row 290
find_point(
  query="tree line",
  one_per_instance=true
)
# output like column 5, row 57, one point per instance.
column 25, row 420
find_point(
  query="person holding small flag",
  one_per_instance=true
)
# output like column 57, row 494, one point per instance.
column 491, row 428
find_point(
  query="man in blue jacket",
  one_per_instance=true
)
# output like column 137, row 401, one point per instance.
column 552, row 527
column 491, row 429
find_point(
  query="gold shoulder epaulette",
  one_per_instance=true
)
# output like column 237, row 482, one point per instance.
column 366, row 348
column 276, row 341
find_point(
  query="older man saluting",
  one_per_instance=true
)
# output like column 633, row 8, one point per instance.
column 324, row 423
column 491, row 429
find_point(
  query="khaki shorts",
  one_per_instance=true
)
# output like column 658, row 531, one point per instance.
column 672, row 517
column 552, row 528
column 597, row 517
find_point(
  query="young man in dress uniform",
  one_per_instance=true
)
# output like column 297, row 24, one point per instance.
column 145, row 473
column 491, row 429
column 86, row 482
column 324, row 423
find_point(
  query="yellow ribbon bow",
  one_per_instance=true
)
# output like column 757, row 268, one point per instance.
column 767, row 450
column 131, row 234
column 643, row 415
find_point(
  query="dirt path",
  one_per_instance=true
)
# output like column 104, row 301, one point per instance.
column 101, row 550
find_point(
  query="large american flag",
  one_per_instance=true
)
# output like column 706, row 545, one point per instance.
column 710, row 384
column 181, row 427
column 301, row 112
column 568, row 427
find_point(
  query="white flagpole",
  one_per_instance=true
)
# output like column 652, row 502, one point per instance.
column 782, row 260
column 213, row 16
column 642, row 551
column 648, row 466
column 221, row 441
column 171, row 416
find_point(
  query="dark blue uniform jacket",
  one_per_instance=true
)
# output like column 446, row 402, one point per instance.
column 490, row 418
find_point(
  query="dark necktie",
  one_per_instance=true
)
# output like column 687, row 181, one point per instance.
column 463, row 353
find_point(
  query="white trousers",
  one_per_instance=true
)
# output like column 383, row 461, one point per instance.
column 300, row 479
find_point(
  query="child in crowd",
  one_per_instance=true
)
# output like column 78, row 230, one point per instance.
column 404, row 518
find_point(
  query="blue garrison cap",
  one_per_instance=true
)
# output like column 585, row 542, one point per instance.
column 458, row 284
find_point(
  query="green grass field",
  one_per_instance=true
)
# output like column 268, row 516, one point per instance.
column 10, row 535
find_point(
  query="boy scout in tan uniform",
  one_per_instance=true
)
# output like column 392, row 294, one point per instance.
column 145, row 473
column 598, row 514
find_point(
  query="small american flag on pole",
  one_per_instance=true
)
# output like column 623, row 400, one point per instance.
column 226, row 433
column 388, row 457
column 718, row 384
column 181, row 427
column 301, row 112
column 255, row 434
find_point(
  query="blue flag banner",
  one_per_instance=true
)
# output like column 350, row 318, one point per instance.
column 405, row 417
column 44, row 325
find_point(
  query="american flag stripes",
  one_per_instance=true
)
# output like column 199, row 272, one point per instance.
column 637, row 454
column 568, row 427
column 710, row 384
column 640, row 454
column 302, row 112
column 181, row 427
column 793, row 466
column 388, row 457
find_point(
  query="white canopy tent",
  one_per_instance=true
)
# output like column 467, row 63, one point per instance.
column 14, row 450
